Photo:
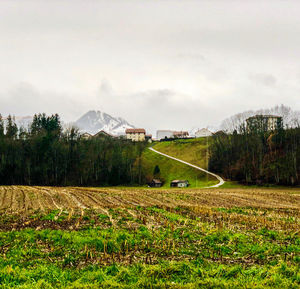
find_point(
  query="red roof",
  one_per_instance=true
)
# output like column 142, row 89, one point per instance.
column 135, row 130
column 185, row 133
column 103, row 132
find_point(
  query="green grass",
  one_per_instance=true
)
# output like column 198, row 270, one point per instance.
column 171, row 170
column 193, row 151
column 158, row 248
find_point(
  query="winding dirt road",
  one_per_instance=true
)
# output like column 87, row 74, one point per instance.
column 221, row 181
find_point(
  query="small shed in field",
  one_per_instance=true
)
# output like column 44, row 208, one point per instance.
column 179, row 184
column 156, row 183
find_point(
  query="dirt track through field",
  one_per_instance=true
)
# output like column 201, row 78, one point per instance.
column 15, row 199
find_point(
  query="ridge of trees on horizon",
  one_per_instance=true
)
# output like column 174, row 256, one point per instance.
column 291, row 118
column 258, row 157
column 44, row 154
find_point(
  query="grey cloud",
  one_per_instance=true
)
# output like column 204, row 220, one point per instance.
column 191, row 56
column 264, row 79
column 176, row 64
column 24, row 99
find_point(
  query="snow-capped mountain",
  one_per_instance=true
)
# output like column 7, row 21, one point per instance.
column 94, row 121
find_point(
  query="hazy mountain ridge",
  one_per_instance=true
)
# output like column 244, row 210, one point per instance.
column 22, row 121
column 94, row 121
column 91, row 122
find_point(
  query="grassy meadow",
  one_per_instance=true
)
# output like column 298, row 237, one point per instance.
column 192, row 150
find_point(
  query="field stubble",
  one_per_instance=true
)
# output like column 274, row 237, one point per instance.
column 14, row 199
column 149, row 238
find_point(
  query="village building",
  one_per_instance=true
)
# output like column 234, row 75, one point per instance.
column 148, row 138
column 164, row 134
column 156, row 183
column 86, row 135
column 100, row 134
column 136, row 134
column 179, row 184
column 204, row 132
column 103, row 133
column 167, row 134
column 180, row 134
column 263, row 123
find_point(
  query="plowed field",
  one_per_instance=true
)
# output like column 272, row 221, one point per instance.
column 14, row 199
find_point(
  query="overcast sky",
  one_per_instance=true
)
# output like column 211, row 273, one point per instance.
column 159, row 64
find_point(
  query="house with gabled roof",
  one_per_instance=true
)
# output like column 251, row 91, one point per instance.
column 103, row 133
column 179, row 184
column 204, row 132
column 136, row 134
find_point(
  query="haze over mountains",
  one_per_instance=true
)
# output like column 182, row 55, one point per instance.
column 94, row 121
column 91, row 122
column 22, row 121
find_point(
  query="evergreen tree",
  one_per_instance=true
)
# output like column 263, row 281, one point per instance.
column 11, row 128
column 156, row 171
column 1, row 127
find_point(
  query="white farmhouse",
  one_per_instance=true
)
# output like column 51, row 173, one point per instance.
column 203, row 133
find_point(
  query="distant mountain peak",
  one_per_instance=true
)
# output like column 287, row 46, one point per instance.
column 93, row 121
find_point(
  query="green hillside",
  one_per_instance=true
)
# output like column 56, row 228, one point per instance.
column 193, row 151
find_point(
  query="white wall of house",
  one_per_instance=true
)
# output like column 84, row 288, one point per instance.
column 203, row 133
column 182, row 185
column 136, row 136
column 161, row 134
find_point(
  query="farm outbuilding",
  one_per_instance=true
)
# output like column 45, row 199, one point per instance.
column 179, row 184
column 156, row 183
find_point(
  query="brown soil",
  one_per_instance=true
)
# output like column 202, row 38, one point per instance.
column 14, row 199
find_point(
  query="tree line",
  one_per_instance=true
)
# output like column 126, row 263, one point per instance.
column 258, row 157
column 45, row 154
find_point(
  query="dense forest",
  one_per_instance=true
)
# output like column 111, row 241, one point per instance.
column 44, row 154
column 258, row 157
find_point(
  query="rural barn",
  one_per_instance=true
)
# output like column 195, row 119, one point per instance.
column 179, row 184
column 156, row 183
